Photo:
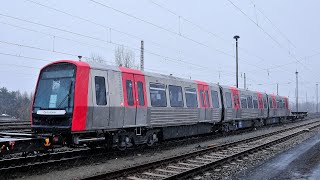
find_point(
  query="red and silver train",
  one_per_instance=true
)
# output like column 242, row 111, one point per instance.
column 87, row 103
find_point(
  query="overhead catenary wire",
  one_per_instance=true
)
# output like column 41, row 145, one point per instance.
column 105, row 41
column 179, row 61
column 74, row 55
column 187, row 20
column 107, row 28
column 137, row 37
column 280, row 32
column 39, row 59
column 231, row 56
column 172, row 32
column 65, row 53
column 32, row 67
column 265, row 32
column 130, row 35
column 211, row 33
column 162, row 28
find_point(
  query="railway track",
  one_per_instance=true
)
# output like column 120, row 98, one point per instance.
column 22, row 163
column 193, row 163
column 15, row 125
column 42, row 159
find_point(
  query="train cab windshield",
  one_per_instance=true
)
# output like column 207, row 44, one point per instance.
column 55, row 90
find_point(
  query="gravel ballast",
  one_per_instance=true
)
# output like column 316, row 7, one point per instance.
column 241, row 168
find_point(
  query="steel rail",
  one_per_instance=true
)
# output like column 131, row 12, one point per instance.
column 150, row 166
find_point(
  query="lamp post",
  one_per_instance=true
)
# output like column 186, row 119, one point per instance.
column 236, row 38
column 297, row 93
column 317, row 98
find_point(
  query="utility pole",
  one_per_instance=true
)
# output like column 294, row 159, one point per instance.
column 297, row 92
column 277, row 88
column 245, row 83
column 142, row 57
column 236, row 38
column 317, row 98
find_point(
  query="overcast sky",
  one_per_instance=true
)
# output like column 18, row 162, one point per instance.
column 190, row 39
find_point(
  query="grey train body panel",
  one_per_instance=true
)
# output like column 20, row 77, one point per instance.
column 114, row 115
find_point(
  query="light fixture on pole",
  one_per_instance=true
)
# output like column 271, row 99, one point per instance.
column 236, row 37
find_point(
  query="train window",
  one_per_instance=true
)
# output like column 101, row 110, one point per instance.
column 100, row 87
column 175, row 94
column 265, row 103
column 207, row 99
column 140, row 93
column 278, row 104
column 130, row 98
column 158, row 95
column 191, row 97
column 244, row 103
column 201, row 97
column 228, row 100
column 236, row 100
column 249, row 99
column 255, row 102
column 215, row 99
column 270, row 103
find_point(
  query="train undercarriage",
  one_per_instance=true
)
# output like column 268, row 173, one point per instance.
column 125, row 138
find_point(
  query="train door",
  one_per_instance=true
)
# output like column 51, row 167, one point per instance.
column 208, row 110
column 260, row 105
column 134, row 99
column 129, row 99
column 274, row 104
column 205, row 112
column 201, row 102
column 100, row 108
column 236, row 103
column 141, row 99
column 286, row 106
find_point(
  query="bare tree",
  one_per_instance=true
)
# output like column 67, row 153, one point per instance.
column 125, row 57
column 94, row 57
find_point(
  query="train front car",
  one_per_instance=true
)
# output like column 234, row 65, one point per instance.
column 60, row 101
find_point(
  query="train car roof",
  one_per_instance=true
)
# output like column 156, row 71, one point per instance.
column 101, row 66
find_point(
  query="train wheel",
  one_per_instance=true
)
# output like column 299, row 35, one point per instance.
column 152, row 138
column 122, row 146
column 124, row 142
column 150, row 141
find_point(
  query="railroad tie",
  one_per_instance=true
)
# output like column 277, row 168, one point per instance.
column 206, row 159
column 167, row 171
column 134, row 178
column 194, row 161
column 187, row 164
column 178, row 167
column 219, row 155
column 155, row 175
column 240, row 147
column 212, row 157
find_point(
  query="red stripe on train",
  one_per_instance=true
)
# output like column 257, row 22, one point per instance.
column 80, row 96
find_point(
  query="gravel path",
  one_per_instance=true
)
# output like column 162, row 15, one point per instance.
column 103, row 165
